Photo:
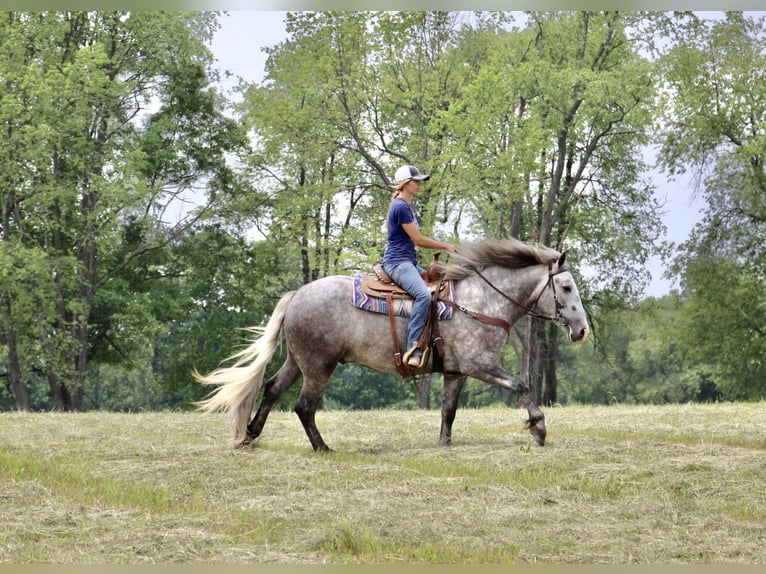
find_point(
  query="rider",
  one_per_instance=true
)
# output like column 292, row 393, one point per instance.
column 400, row 260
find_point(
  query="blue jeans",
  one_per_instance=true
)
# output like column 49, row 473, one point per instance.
column 407, row 276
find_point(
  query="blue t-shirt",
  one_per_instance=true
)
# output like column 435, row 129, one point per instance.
column 400, row 247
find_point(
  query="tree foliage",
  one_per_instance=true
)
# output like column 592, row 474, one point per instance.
column 716, row 110
column 93, row 194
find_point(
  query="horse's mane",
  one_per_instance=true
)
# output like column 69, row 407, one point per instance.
column 510, row 253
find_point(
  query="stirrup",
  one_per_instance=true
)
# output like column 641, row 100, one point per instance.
column 417, row 362
column 424, row 358
column 408, row 355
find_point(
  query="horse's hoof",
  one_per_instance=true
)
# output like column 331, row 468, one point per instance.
column 538, row 432
column 244, row 442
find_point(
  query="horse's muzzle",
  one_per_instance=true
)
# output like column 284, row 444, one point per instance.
column 577, row 336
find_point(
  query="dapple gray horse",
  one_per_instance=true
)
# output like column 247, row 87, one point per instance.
column 496, row 283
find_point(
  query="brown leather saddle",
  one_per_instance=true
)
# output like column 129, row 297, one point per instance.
column 379, row 284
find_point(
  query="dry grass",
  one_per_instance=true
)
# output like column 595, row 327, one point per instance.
column 671, row 484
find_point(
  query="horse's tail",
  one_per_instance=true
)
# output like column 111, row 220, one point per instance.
column 238, row 385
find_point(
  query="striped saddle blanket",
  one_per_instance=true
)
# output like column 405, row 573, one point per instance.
column 370, row 299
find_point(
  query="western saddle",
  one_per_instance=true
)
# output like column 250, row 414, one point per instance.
column 379, row 284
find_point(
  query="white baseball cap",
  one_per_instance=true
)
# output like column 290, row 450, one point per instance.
column 409, row 172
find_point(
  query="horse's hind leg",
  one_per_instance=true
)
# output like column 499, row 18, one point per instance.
column 274, row 388
column 453, row 385
column 307, row 405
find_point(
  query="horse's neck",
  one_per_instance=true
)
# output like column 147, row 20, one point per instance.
column 519, row 287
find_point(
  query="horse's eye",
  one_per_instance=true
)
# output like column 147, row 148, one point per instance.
column 567, row 288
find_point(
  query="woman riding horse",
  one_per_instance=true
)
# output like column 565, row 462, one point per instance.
column 400, row 260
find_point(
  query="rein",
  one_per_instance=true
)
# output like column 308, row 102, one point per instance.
column 531, row 310
column 502, row 323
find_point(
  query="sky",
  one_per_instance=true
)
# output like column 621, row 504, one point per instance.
column 238, row 48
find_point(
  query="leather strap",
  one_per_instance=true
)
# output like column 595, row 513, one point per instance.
column 437, row 360
column 404, row 371
column 505, row 325
column 436, row 337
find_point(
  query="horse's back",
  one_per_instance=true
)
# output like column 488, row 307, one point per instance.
column 331, row 292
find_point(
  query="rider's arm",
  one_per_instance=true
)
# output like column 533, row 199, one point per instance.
column 422, row 241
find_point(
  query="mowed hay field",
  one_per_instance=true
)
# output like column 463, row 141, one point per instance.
column 618, row 484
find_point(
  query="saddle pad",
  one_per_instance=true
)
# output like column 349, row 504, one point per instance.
column 402, row 307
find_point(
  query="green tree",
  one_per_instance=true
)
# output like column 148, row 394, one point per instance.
column 357, row 388
column 224, row 285
column 304, row 117
column 105, row 172
column 530, row 131
column 347, row 98
column 725, row 335
column 639, row 354
column 715, row 113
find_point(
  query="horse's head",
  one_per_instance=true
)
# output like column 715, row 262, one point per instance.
column 560, row 300
column 535, row 279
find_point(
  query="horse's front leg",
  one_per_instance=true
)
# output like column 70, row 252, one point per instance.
column 453, row 385
column 497, row 376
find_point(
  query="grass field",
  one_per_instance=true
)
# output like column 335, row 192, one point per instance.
column 618, row 484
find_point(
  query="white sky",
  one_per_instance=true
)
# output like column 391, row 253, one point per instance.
column 238, row 45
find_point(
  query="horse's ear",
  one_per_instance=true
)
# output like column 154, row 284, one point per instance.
column 562, row 259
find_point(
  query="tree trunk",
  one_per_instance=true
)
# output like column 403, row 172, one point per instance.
column 551, row 379
column 8, row 334
column 532, row 355
column 423, row 390
column 61, row 398
column 80, row 358
column 14, row 370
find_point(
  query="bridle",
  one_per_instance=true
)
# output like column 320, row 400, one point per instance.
column 557, row 319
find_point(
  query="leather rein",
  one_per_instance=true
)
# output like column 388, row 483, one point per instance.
column 530, row 310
